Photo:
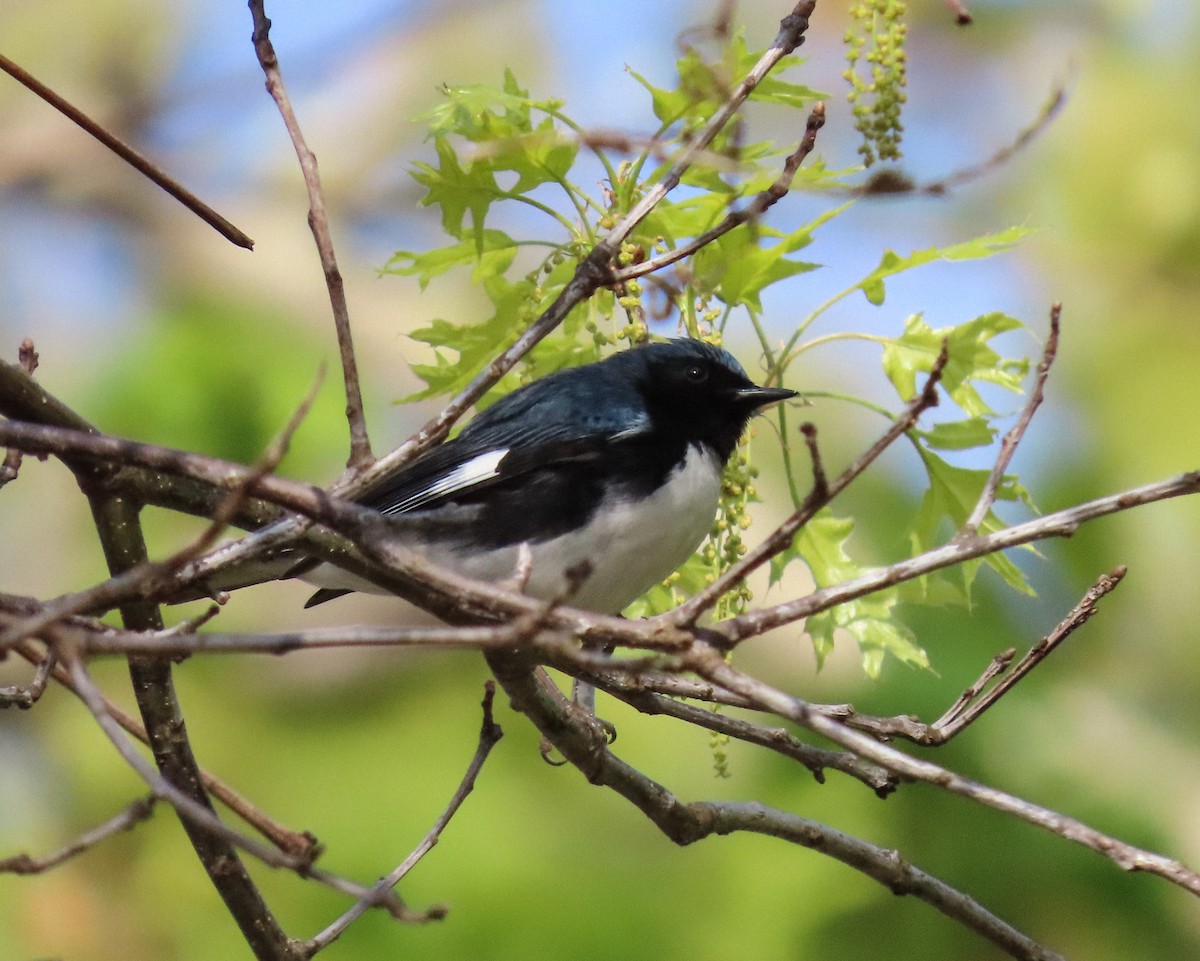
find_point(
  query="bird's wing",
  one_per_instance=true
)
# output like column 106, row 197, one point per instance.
column 471, row 464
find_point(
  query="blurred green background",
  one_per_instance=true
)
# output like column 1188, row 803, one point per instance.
column 155, row 328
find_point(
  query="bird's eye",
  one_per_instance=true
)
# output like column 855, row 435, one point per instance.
column 696, row 374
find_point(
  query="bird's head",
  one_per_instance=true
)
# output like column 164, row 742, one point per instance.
column 699, row 390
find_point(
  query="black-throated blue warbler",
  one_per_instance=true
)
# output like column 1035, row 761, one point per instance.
column 616, row 463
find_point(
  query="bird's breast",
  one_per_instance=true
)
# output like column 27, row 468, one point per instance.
column 630, row 542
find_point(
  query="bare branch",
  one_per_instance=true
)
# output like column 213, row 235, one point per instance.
column 752, row 211
column 129, row 155
column 575, row 735
column 1008, row 447
column 816, row 759
column 1062, row 523
column 299, row 844
column 27, row 695
column 318, row 222
column 449, row 595
column 201, row 817
column 489, row 735
column 118, row 527
column 147, row 577
column 1126, row 856
column 971, row 705
column 125, row 820
column 463, row 600
column 889, row 181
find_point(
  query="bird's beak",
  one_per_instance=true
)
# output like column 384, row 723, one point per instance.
column 756, row 397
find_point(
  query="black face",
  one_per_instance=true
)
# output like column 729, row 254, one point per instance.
column 702, row 391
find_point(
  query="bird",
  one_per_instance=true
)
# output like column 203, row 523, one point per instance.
column 612, row 467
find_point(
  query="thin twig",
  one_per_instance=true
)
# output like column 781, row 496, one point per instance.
column 174, row 644
column 889, row 181
column 203, row 817
column 576, row 738
column 146, row 578
column 27, row 357
column 752, row 211
column 1062, row 523
column 489, row 735
column 816, row 759
column 1125, row 856
column 972, row 705
column 299, row 844
column 25, row 696
column 129, row 155
column 125, row 820
column 1008, row 447
column 318, row 222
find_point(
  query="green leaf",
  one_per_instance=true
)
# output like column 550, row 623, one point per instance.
column 703, row 85
column 473, row 345
column 870, row 620
column 970, row 359
column 739, row 268
column 892, row 263
column 481, row 112
column 668, row 105
column 951, row 496
column 492, row 253
column 772, row 89
column 959, row 434
column 457, row 190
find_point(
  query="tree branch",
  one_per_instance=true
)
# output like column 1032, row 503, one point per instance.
column 1063, row 523
column 120, row 535
column 576, row 735
column 302, row 845
column 199, row 817
column 318, row 222
column 777, row 739
column 972, row 703
column 1008, row 447
column 1126, row 856
column 139, row 163
column 124, row 820
column 489, row 736
column 752, row 211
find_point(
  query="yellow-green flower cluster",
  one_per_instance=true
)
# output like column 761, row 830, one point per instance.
column 876, row 36
column 725, row 545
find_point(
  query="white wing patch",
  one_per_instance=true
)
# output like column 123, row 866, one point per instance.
column 475, row 471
